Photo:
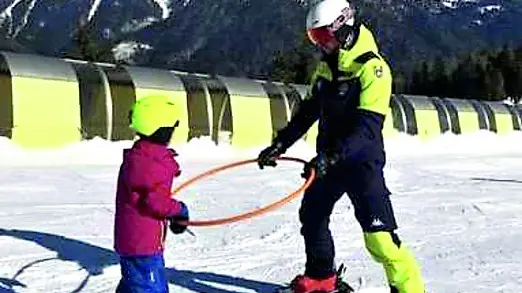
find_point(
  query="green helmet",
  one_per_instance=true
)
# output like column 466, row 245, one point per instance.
column 153, row 112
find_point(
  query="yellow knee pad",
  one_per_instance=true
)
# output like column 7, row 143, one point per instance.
column 402, row 271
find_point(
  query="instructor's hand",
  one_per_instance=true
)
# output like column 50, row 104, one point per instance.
column 321, row 164
column 268, row 156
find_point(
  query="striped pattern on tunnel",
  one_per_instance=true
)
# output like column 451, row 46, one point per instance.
column 47, row 102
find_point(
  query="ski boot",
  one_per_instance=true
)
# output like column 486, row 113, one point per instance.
column 304, row 284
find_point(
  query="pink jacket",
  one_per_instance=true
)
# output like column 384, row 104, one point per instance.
column 143, row 200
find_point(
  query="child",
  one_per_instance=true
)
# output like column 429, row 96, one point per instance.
column 144, row 204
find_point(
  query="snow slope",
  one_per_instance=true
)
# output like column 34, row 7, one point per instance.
column 457, row 201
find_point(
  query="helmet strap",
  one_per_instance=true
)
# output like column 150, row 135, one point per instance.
column 347, row 35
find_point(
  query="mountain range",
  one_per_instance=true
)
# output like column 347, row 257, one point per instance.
column 239, row 37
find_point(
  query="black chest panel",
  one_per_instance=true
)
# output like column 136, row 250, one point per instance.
column 338, row 101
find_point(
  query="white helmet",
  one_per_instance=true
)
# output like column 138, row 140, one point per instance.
column 324, row 18
column 326, row 12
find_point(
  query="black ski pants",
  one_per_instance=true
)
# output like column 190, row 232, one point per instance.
column 365, row 185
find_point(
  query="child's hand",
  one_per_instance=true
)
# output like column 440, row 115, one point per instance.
column 183, row 215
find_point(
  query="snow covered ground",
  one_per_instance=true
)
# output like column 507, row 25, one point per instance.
column 457, row 200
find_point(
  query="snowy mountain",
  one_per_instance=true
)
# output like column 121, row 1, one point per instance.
column 238, row 37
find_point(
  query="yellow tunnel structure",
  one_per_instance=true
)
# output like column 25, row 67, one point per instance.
column 43, row 100
column 52, row 102
column 250, row 112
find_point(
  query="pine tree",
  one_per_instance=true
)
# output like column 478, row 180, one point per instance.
column 507, row 64
column 416, row 81
column 497, row 91
column 426, row 79
column 473, row 79
column 481, row 84
column 87, row 48
column 400, row 83
column 440, row 85
column 294, row 66
column 459, row 79
column 517, row 80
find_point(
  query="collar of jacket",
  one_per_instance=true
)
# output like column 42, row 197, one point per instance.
column 152, row 149
column 364, row 42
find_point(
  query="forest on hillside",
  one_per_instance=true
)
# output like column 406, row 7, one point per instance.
column 484, row 75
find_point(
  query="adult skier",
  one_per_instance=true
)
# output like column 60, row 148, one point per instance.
column 349, row 94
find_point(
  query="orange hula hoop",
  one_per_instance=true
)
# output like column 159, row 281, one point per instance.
column 248, row 214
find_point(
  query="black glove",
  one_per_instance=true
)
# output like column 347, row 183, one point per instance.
column 308, row 167
column 321, row 164
column 268, row 156
column 174, row 225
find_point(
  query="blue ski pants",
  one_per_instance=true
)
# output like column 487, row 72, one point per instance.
column 143, row 275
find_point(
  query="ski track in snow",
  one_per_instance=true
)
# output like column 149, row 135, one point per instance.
column 460, row 214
